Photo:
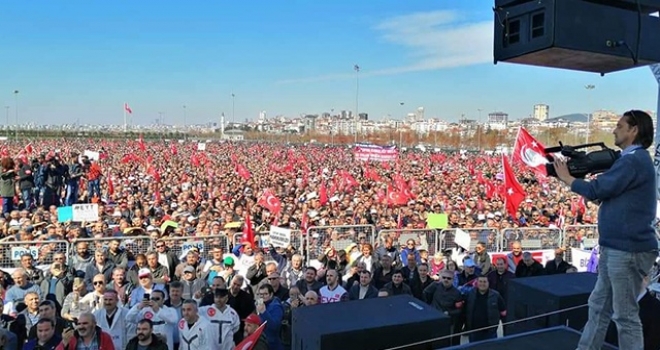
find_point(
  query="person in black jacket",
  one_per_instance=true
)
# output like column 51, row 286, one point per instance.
column 145, row 339
column 528, row 267
column 446, row 298
column 558, row 264
column 242, row 302
column 26, row 182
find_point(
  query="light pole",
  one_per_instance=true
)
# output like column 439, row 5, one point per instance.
column 233, row 107
column 16, row 113
column 184, row 123
column 357, row 98
column 479, row 129
column 589, row 88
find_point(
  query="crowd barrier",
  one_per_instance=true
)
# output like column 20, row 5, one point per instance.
column 426, row 239
column 490, row 235
column 180, row 245
column 42, row 252
column 320, row 238
column 295, row 240
column 133, row 245
column 532, row 238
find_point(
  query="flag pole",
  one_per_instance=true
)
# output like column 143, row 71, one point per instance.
column 125, row 125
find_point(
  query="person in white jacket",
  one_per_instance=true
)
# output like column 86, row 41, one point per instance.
column 193, row 329
column 224, row 320
column 163, row 317
column 112, row 319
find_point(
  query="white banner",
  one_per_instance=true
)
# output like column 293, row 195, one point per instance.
column 580, row 259
column 92, row 155
column 280, row 237
column 376, row 153
column 201, row 146
column 85, row 212
column 462, row 239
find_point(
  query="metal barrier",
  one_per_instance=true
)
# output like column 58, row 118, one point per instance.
column 489, row 235
column 532, row 238
column 296, row 240
column 179, row 245
column 132, row 244
column 580, row 236
column 425, row 239
column 42, row 252
column 320, row 238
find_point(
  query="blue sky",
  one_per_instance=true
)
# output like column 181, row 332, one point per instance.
column 81, row 60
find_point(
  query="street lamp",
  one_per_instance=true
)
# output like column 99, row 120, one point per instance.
column 16, row 112
column 479, row 130
column 589, row 88
column 233, row 107
column 357, row 98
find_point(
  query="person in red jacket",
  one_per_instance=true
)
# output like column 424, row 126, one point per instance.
column 91, row 336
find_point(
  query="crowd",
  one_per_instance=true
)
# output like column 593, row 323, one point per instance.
column 133, row 279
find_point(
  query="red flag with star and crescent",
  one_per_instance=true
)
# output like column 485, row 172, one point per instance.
column 530, row 152
column 251, row 340
column 514, row 193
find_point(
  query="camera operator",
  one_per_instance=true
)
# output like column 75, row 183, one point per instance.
column 628, row 245
column 53, row 174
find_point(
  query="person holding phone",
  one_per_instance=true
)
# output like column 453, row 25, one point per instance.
column 152, row 307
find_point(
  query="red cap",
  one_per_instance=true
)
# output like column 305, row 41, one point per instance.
column 254, row 319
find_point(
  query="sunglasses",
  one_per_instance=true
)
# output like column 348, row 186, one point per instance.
column 156, row 299
column 273, row 278
column 145, row 277
column 447, row 278
column 160, row 246
column 98, row 283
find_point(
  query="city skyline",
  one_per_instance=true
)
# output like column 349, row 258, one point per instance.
column 80, row 62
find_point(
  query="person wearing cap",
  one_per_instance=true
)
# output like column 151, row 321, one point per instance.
column 469, row 272
column 252, row 323
column 529, row 267
column 147, row 286
column 191, row 284
column 224, row 320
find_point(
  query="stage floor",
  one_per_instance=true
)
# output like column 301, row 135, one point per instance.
column 557, row 338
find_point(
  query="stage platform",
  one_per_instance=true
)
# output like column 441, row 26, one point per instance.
column 556, row 338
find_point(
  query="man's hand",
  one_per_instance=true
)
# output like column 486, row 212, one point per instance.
column 562, row 171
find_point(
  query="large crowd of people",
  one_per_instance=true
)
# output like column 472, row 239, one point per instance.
column 179, row 257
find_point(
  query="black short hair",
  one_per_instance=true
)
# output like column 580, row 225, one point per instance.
column 267, row 287
column 147, row 321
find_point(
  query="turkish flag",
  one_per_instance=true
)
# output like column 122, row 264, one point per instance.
column 323, row 194
column 248, row 232
column 513, row 191
column 243, row 171
column 251, row 340
column 530, row 152
column 28, row 148
column 141, row 144
column 395, row 197
column 127, row 108
column 270, row 202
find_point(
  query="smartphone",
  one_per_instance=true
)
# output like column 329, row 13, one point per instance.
column 146, row 297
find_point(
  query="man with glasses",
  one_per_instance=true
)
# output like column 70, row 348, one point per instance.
column 627, row 238
column 281, row 292
column 224, row 320
column 163, row 318
column 112, row 319
column 95, row 299
column 446, row 298
column 270, row 310
column 100, row 265
column 47, row 310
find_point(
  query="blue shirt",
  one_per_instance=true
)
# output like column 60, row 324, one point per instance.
column 627, row 193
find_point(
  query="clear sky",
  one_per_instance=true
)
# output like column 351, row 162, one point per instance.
column 81, row 60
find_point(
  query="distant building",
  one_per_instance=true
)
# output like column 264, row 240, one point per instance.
column 541, row 112
column 497, row 120
column 363, row 116
column 262, row 117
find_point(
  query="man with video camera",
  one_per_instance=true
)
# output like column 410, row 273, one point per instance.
column 628, row 244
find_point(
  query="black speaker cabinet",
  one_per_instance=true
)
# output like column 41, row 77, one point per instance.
column 600, row 36
column 370, row 324
column 533, row 296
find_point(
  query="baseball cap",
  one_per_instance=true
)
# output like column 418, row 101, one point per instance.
column 253, row 319
column 144, row 273
column 221, row 292
column 468, row 263
column 189, row 269
column 228, row 261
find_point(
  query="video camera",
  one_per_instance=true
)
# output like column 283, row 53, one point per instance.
column 581, row 163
